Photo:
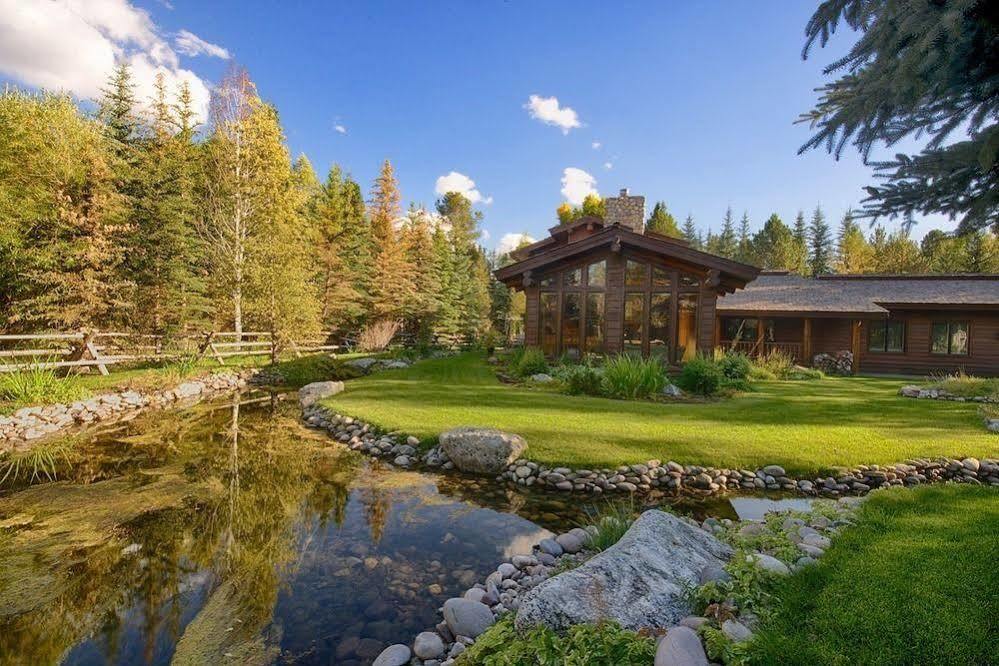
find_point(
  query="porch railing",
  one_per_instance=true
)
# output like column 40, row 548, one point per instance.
column 762, row 348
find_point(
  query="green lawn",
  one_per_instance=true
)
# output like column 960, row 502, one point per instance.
column 914, row 582
column 806, row 426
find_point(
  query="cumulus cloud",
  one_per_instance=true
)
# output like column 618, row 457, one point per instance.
column 596, row 145
column 73, row 45
column 459, row 182
column 576, row 184
column 548, row 111
column 511, row 242
column 340, row 129
column 190, row 44
column 608, row 165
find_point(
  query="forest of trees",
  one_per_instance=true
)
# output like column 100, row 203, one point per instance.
column 135, row 218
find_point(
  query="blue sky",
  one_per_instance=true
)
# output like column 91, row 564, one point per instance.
column 692, row 103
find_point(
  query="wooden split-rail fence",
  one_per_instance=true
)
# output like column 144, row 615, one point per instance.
column 100, row 349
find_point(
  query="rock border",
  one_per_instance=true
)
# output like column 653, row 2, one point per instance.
column 32, row 423
column 920, row 393
column 655, row 476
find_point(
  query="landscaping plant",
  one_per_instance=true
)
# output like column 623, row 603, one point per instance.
column 583, row 379
column 734, row 365
column 528, row 361
column 701, row 375
column 631, row 377
column 611, row 522
column 37, row 385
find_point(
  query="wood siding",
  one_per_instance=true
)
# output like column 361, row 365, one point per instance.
column 983, row 346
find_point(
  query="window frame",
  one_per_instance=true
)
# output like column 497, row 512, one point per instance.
column 949, row 323
column 556, row 285
column 886, row 323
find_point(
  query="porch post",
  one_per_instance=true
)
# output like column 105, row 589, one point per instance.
column 717, row 333
column 806, row 342
column 855, row 346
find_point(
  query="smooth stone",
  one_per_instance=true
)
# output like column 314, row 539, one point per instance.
column 393, row 655
column 550, row 546
column 569, row 542
column 736, row 631
column 694, row 622
column 680, row 647
column 465, row 617
column 428, row 645
column 312, row 393
column 482, row 450
column 769, row 563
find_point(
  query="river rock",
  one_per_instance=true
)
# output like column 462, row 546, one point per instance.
column 362, row 364
column 465, row 617
column 312, row 393
column 769, row 563
column 641, row 581
column 482, row 450
column 680, row 647
column 393, row 655
column 736, row 631
column 428, row 645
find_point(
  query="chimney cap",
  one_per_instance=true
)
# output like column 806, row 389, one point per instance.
column 624, row 192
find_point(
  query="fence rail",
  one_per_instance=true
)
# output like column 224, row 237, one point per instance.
column 99, row 349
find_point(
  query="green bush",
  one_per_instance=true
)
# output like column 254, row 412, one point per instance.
column 604, row 644
column 776, row 362
column 528, row 361
column 758, row 374
column 702, row 376
column 734, row 365
column 582, row 380
column 632, row 377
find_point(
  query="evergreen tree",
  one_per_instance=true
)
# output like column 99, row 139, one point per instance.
column 773, row 246
column 896, row 253
column 469, row 279
column 944, row 253
column 727, row 243
column 854, row 254
column 662, row 222
column 391, row 285
column 744, row 252
column 417, row 242
column 918, row 70
column 447, row 315
column 820, row 260
column 691, row 234
column 982, row 251
column 800, row 234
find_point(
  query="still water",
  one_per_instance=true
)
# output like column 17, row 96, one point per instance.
column 229, row 533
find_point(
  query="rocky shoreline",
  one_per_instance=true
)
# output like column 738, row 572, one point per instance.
column 32, row 423
column 654, row 476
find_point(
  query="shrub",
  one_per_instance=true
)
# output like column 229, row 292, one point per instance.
column 378, row 335
column 734, row 365
column 180, row 368
column 758, row 374
column 36, row 385
column 308, row 369
column 800, row 372
column 776, row 362
column 582, row 380
column 632, row 377
column 528, row 361
column 702, row 376
column 611, row 523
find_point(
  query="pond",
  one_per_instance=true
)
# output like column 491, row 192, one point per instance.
column 229, row 533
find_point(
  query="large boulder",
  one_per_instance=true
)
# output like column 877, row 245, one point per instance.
column 363, row 364
column 482, row 450
column 465, row 617
column 641, row 581
column 312, row 393
column 680, row 647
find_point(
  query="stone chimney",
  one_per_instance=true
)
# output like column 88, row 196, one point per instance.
column 626, row 210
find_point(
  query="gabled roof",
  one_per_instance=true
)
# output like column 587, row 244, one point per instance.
column 862, row 294
column 732, row 274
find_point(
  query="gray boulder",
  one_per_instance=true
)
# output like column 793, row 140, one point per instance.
column 428, row 645
column 641, row 581
column 542, row 378
column 363, row 364
column 680, row 647
column 482, row 450
column 465, row 617
column 312, row 393
column 393, row 655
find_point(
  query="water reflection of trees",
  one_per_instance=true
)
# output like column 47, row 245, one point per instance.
column 230, row 493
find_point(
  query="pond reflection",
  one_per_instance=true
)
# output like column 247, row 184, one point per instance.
column 229, row 533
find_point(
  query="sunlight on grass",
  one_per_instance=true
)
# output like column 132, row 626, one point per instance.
column 804, row 426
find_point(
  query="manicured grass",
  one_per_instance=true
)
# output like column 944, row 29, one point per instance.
column 804, row 426
column 914, row 582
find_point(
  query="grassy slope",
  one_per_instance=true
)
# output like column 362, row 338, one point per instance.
column 914, row 583
column 805, row 426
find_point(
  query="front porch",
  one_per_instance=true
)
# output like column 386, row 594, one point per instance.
column 759, row 336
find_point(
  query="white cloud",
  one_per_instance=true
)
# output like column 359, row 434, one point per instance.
column 596, row 145
column 459, row 182
column 548, row 111
column 190, row 44
column 576, row 184
column 73, row 45
column 608, row 165
column 511, row 242
column 341, row 129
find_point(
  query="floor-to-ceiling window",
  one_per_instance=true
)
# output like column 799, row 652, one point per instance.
column 548, row 321
column 571, row 310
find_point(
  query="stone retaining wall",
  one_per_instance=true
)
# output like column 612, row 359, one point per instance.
column 655, row 476
column 31, row 423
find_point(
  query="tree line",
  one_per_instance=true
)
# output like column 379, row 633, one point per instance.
column 134, row 217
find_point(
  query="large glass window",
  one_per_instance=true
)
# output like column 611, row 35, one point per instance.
column 886, row 336
column 659, row 334
column 660, row 278
column 634, row 307
column 686, row 333
column 634, row 273
column 949, row 337
column 547, row 282
column 595, row 322
column 596, row 274
column 689, row 282
column 740, row 330
column 571, row 322
column 548, row 311
column 574, row 277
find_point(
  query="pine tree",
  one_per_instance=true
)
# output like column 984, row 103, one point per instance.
column 691, row 234
column 773, row 246
column 727, row 243
column 896, row 253
column 982, row 251
column 417, row 242
column 391, row 285
column 447, row 315
column 820, row 259
column 744, row 252
column 854, row 254
column 469, row 280
column 800, row 234
column 661, row 222
column 945, row 253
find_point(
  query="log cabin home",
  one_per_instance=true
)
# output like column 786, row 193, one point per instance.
column 606, row 286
